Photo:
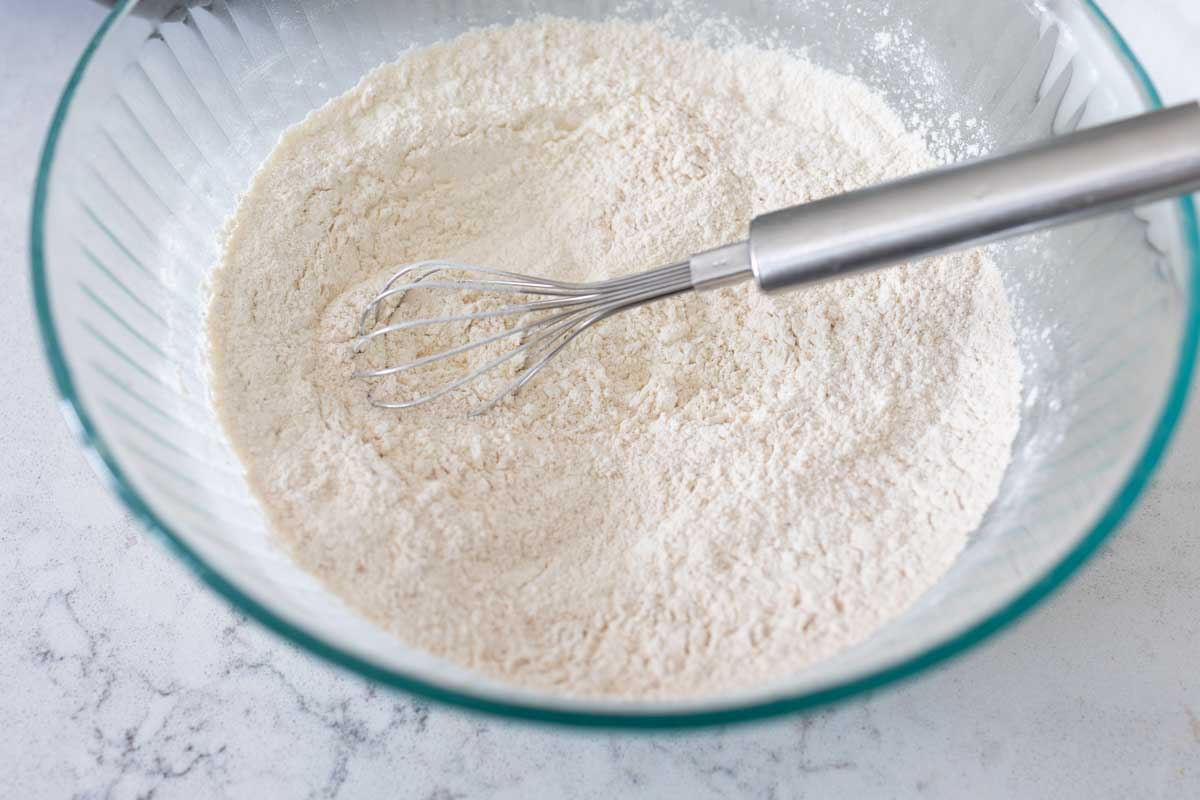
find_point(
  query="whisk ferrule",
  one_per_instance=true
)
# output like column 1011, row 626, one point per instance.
column 721, row 266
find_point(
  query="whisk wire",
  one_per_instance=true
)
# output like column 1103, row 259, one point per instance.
column 532, row 344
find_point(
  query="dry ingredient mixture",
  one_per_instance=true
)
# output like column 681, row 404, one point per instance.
column 700, row 495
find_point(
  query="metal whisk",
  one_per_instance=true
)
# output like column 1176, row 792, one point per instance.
column 574, row 308
column 1120, row 164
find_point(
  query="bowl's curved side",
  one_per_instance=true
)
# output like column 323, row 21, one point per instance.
column 108, row 467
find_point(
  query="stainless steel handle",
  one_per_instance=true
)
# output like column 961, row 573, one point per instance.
column 1120, row 164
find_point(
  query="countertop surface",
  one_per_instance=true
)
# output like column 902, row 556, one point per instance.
column 121, row 676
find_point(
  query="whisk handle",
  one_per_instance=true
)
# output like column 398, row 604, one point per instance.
column 1120, row 164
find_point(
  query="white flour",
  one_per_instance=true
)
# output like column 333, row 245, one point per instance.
column 701, row 494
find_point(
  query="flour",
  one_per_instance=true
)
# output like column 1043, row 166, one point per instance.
column 702, row 494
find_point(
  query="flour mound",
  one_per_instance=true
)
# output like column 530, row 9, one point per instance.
column 700, row 495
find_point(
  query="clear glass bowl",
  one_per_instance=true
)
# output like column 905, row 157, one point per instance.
column 167, row 115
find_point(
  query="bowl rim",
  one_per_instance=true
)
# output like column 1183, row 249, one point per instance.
column 107, row 468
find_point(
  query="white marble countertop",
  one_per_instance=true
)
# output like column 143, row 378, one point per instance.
column 120, row 676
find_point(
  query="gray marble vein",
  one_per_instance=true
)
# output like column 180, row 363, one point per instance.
column 122, row 677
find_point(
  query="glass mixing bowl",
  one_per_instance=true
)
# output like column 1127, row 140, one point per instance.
column 173, row 105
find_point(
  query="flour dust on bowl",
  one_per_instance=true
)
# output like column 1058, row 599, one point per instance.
column 166, row 121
